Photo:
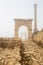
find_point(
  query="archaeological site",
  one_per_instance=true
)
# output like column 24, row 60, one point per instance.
column 16, row 51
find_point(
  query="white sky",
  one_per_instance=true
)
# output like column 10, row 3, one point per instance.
column 10, row 9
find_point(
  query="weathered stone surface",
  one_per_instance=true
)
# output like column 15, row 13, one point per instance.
column 12, row 53
column 9, row 56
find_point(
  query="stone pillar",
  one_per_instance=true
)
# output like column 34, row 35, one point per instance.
column 16, row 33
column 35, row 17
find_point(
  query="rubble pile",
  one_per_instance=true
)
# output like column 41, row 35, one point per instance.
column 10, row 55
column 25, row 59
column 38, row 46
column 16, row 52
column 38, row 38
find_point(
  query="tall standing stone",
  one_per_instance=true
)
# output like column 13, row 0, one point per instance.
column 35, row 17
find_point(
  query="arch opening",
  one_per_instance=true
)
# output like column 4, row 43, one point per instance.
column 23, row 33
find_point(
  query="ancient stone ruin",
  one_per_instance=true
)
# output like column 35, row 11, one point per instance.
column 16, row 52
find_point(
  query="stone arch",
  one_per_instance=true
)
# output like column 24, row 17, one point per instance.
column 23, row 22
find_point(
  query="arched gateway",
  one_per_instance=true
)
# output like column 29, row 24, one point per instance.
column 23, row 22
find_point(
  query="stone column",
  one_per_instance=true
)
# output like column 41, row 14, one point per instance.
column 35, row 17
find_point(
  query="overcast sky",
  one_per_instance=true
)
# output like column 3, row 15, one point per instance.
column 11, row 9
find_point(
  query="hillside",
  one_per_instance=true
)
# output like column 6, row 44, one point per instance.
column 15, row 52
